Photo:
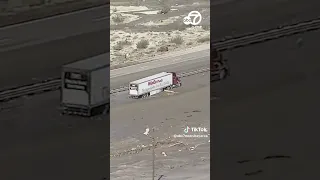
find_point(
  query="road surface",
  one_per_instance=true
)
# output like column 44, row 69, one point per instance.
column 265, row 108
column 247, row 16
column 269, row 106
column 33, row 133
column 37, row 141
column 60, row 146
column 37, row 62
column 181, row 63
column 169, row 114
column 53, row 28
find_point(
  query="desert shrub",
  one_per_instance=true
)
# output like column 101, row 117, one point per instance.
column 165, row 9
column 206, row 27
column 118, row 18
column 143, row 44
column 118, row 46
column 114, row 38
column 163, row 49
column 125, row 42
column 121, row 44
column 177, row 40
column 180, row 26
column 203, row 39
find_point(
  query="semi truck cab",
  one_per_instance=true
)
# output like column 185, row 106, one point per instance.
column 219, row 67
column 176, row 81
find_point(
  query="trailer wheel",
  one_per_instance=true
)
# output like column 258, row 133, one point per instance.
column 145, row 95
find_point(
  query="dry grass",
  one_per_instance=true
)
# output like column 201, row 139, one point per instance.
column 118, row 47
column 165, row 9
column 118, row 18
column 146, row 42
column 177, row 40
column 206, row 27
column 203, row 39
column 143, row 44
column 121, row 44
column 163, row 49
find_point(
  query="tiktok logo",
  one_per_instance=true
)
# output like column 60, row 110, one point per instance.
column 186, row 130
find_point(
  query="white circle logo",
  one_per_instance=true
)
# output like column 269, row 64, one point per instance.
column 196, row 16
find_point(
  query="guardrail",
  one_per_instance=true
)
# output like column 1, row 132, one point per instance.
column 267, row 35
column 222, row 45
column 55, row 84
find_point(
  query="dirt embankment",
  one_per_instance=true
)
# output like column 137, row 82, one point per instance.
column 142, row 32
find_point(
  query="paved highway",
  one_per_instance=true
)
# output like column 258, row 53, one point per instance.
column 61, row 146
column 258, row 80
column 169, row 114
column 53, row 28
column 34, row 134
column 269, row 106
column 241, row 17
column 39, row 62
column 36, row 62
column 182, row 63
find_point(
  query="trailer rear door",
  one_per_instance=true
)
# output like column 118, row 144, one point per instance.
column 75, row 89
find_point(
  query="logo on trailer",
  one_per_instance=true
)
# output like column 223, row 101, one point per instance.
column 154, row 82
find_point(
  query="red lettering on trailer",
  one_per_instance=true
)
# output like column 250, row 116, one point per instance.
column 154, row 82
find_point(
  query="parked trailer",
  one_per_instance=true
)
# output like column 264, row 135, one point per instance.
column 219, row 68
column 153, row 84
column 85, row 86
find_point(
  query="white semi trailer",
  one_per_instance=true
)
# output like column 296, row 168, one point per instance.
column 153, row 84
column 85, row 86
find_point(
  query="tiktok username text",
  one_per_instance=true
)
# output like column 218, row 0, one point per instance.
column 190, row 136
